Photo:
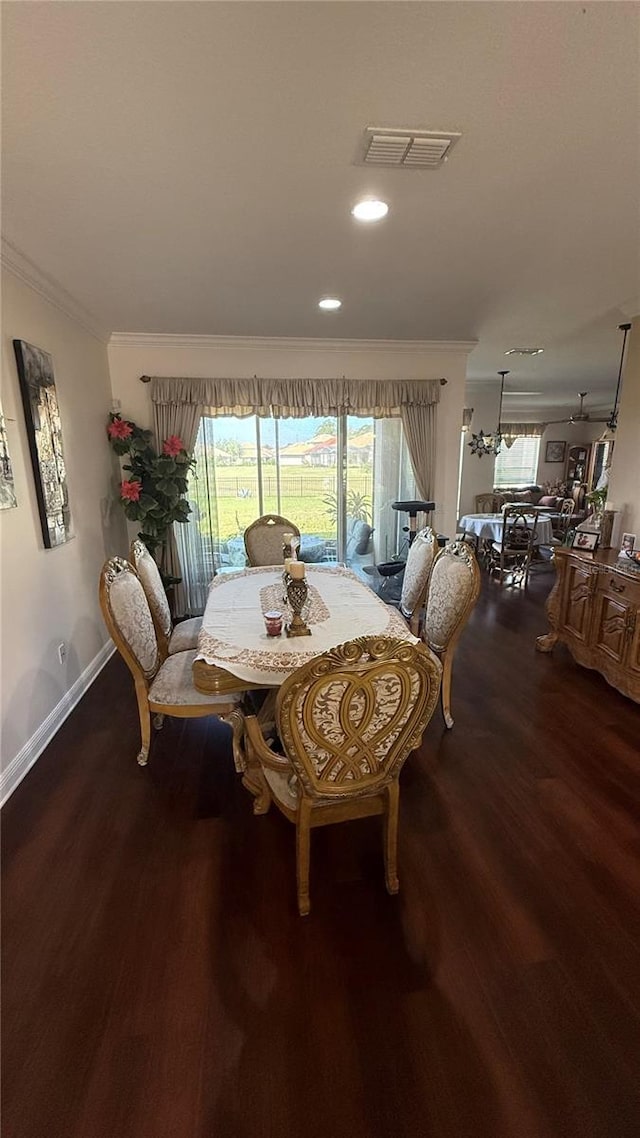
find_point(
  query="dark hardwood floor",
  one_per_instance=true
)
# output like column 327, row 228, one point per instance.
column 158, row 982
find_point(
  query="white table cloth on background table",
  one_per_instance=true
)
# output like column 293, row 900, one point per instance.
column 340, row 608
column 489, row 526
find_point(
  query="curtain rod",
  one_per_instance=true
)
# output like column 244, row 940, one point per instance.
column 147, row 379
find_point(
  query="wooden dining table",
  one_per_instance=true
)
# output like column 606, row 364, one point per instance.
column 235, row 654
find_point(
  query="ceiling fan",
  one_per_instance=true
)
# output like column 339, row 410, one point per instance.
column 582, row 416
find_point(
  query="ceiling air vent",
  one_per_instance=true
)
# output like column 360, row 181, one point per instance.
column 415, row 149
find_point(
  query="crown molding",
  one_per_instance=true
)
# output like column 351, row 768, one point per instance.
column 46, row 286
column 284, row 343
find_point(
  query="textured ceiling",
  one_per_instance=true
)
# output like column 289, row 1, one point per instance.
column 190, row 167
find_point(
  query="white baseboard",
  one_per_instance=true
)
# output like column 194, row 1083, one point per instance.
column 13, row 775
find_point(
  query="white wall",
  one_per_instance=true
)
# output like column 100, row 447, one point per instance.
column 624, row 479
column 49, row 596
column 131, row 357
column 477, row 473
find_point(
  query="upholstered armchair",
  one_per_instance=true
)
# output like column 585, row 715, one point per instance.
column 454, row 589
column 263, row 539
column 417, row 572
column 347, row 721
column 162, row 687
column 184, row 636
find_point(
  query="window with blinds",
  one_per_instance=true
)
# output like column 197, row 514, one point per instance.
column 517, row 465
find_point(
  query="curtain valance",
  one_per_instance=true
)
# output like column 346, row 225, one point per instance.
column 296, row 398
column 512, row 431
column 522, row 430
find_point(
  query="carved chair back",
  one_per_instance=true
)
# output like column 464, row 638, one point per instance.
column 128, row 618
column 149, row 575
column 453, row 591
column 486, row 504
column 415, row 582
column 518, row 529
column 349, row 718
column 263, row 539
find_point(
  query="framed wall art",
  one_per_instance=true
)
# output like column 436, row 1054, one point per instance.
column 44, row 431
column 7, row 489
column 555, row 451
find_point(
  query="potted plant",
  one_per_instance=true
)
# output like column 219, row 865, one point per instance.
column 597, row 498
column 153, row 494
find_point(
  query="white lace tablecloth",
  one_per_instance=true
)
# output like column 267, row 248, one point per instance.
column 490, row 526
column 233, row 634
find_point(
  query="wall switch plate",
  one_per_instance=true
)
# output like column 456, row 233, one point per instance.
column 62, row 652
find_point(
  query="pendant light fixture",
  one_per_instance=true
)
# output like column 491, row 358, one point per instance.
column 608, row 435
column 490, row 444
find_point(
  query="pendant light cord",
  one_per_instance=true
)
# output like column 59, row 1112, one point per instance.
column 613, row 420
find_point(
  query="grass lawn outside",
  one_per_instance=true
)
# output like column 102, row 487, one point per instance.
column 234, row 491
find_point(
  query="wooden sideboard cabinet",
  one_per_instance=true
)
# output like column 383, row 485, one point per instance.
column 594, row 608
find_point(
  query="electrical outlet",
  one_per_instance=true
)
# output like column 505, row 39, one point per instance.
column 62, row 652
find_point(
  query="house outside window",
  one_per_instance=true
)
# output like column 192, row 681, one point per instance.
column 335, row 478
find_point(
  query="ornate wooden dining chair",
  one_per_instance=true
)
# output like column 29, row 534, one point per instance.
column 162, row 688
column 511, row 556
column 263, row 539
column 415, row 582
column 347, row 721
column 486, row 504
column 567, row 507
column 184, row 635
column 454, row 589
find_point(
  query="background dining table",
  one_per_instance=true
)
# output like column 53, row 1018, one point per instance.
column 489, row 526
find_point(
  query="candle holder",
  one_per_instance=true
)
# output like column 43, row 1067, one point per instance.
column 286, row 577
column 297, row 593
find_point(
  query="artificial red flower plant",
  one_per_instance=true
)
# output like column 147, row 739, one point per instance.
column 153, row 494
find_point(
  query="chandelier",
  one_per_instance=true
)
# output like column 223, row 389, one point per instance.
column 490, row 444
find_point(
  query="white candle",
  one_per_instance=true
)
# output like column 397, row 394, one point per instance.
column 297, row 570
column 287, row 564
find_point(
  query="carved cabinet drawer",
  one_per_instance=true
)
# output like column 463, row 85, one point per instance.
column 618, row 585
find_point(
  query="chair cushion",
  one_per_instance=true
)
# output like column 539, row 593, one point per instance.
column 284, row 787
column 362, row 536
column 417, row 570
column 131, row 612
column 174, row 685
column 149, row 574
column 450, row 588
column 185, row 635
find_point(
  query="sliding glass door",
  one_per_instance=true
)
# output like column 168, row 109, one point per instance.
column 335, row 478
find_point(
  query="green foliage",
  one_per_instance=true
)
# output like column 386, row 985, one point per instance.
column 358, row 506
column 598, row 499
column 163, row 480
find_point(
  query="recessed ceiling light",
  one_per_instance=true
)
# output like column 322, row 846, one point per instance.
column 370, row 209
column 329, row 303
column 524, row 352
